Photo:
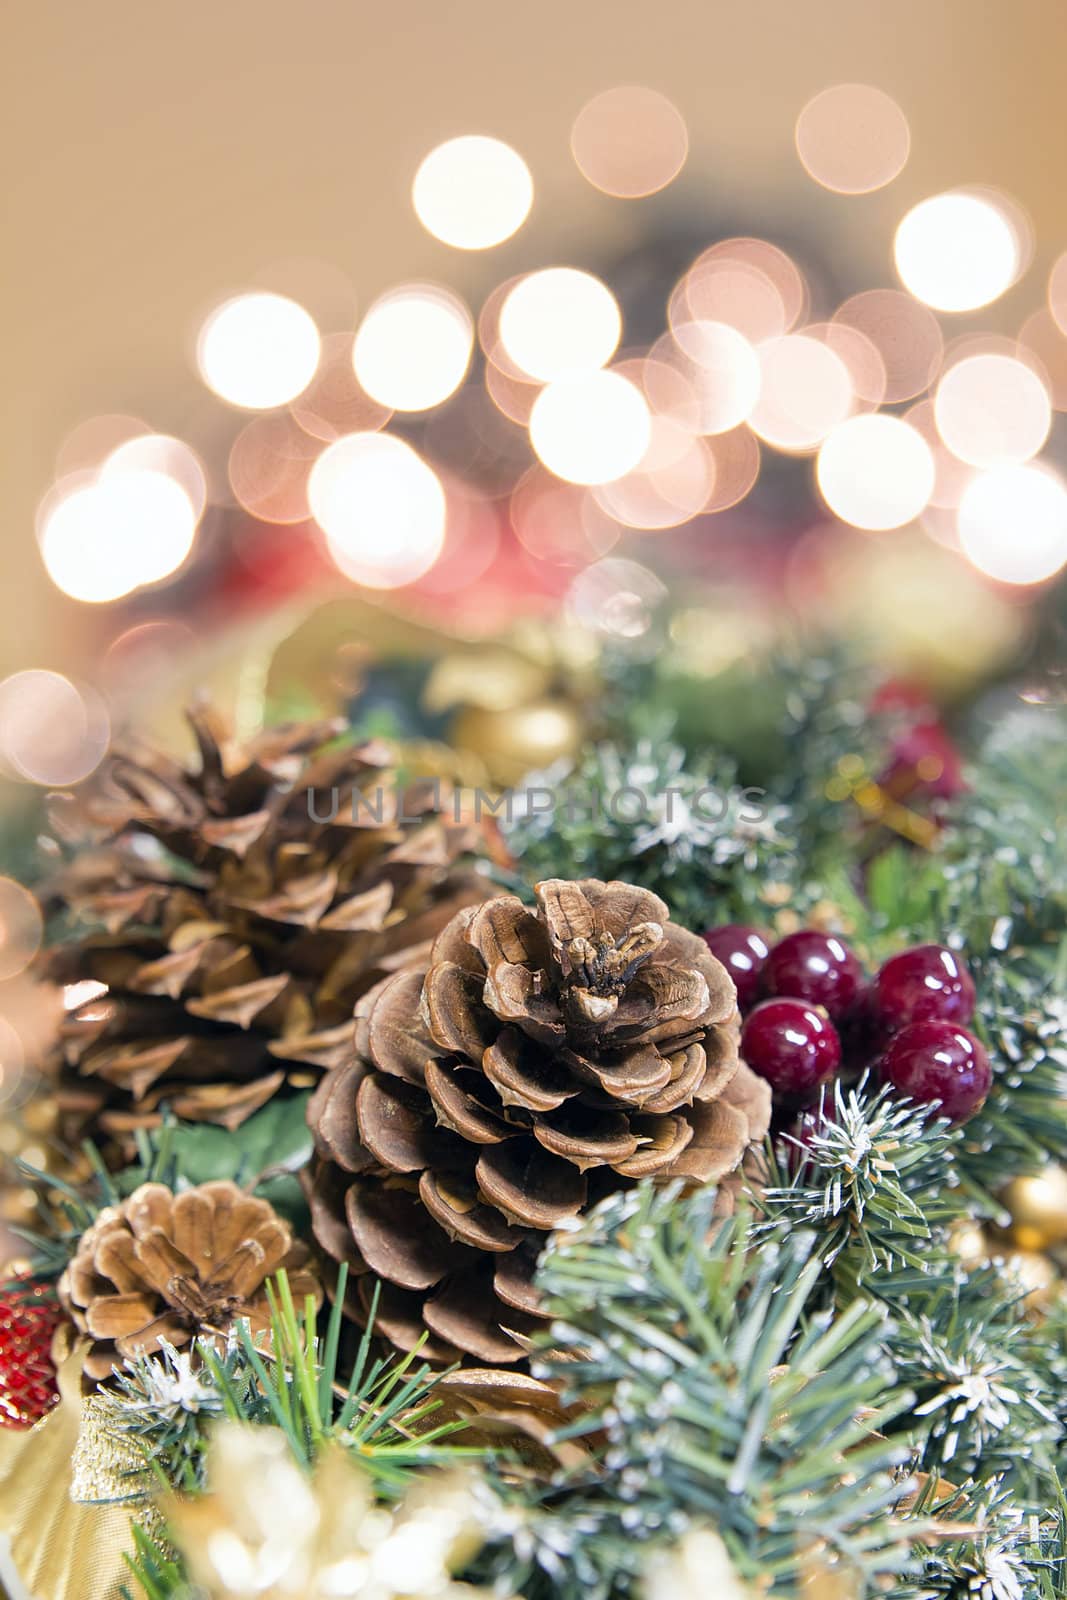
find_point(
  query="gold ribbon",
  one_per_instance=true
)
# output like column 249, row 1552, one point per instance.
column 58, row 1548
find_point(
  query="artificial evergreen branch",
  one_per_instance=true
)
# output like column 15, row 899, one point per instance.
column 710, row 1392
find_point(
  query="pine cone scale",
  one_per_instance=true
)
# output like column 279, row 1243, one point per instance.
column 238, row 931
column 562, row 1051
column 132, row 1283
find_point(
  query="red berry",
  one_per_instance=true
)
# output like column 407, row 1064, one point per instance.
column 742, row 952
column 926, row 984
column 790, row 1044
column 815, row 967
column 938, row 1063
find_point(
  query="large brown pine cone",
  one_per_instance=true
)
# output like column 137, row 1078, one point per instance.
column 174, row 1267
column 543, row 1058
column 237, row 910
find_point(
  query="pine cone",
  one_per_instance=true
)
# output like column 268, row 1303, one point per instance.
column 543, row 1058
column 174, row 1267
column 233, row 930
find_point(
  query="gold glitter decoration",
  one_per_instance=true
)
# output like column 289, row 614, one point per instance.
column 107, row 1468
column 266, row 1529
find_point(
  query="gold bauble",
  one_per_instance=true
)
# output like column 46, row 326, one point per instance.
column 968, row 1243
column 1038, row 1208
column 1036, row 1275
column 515, row 742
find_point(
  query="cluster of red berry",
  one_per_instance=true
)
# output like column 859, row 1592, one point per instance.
column 809, row 1009
column 29, row 1316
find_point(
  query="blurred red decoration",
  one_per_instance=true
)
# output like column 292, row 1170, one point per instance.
column 29, row 1316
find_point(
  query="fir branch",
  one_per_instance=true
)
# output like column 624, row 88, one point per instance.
column 710, row 1392
column 873, row 1175
column 686, row 830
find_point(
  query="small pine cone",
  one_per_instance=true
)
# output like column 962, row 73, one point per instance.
column 236, row 911
column 543, row 1058
column 176, row 1267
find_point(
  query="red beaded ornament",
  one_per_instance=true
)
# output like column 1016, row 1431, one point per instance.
column 29, row 1315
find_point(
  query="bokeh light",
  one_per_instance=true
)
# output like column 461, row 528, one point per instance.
column 258, row 350
column 472, row 192
column 906, row 335
column 670, row 484
column 559, row 523
column 736, row 293
column 381, row 508
column 724, row 372
column 52, row 731
column 270, row 460
column 629, row 141
column 736, row 458
column 1057, row 292
column 335, row 402
column 1042, row 341
column 413, row 347
column 875, row 472
column 862, row 359
column 616, row 597
column 775, row 265
column 21, row 926
column 560, row 322
column 951, row 475
column 103, row 537
column 805, row 391
column 992, row 410
column 957, row 251
column 592, row 428
column 853, row 138
column 1013, row 523
column 161, row 452
column 87, row 446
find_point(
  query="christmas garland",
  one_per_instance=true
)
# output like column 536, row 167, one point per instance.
column 678, row 1215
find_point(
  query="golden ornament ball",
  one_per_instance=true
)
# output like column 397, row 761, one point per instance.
column 1036, row 1275
column 524, row 739
column 968, row 1243
column 1038, row 1208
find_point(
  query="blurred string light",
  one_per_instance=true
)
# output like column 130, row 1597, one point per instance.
column 560, row 322
column 558, row 522
column 723, row 373
column 21, row 927
column 335, row 402
column 629, row 141
column 805, row 391
column 875, row 472
column 1013, row 523
column 905, row 334
column 670, row 485
column 472, row 192
column 1041, row 341
column 853, row 138
column 951, row 475
column 1057, row 292
column 381, row 508
column 862, row 359
column 413, row 347
column 133, row 523
column 992, row 410
column 258, row 350
column 52, row 731
column 958, row 251
column 592, row 428
column 270, row 460
column 615, row 597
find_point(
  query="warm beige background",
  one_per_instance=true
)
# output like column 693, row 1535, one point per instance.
column 159, row 156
